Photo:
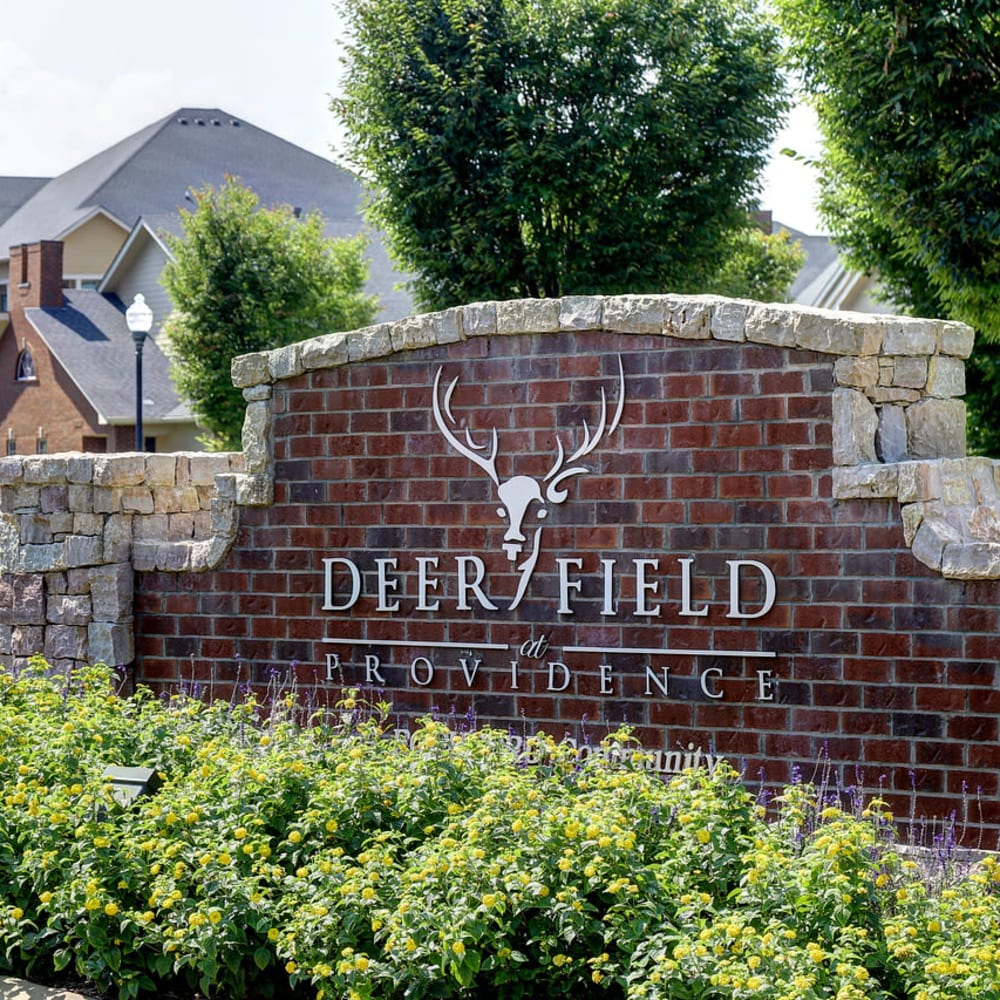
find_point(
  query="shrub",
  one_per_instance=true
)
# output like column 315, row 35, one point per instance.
column 330, row 857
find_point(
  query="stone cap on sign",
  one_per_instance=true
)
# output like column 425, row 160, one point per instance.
column 688, row 317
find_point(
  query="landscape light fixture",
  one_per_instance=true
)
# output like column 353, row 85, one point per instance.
column 139, row 318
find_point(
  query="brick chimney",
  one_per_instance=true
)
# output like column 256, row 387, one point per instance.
column 36, row 275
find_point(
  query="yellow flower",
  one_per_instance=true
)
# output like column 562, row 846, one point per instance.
column 458, row 948
column 489, row 900
column 17, row 913
column 704, row 836
column 295, row 837
column 111, row 909
column 361, row 963
column 290, row 967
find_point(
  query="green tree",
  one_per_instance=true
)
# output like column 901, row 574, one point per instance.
column 908, row 100
column 758, row 265
column 525, row 148
column 246, row 278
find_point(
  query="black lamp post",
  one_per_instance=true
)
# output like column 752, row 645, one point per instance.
column 139, row 318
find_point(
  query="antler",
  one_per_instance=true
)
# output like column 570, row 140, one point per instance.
column 471, row 449
column 554, row 493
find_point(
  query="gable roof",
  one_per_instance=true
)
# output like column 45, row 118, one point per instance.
column 89, row 338
column 150, row 172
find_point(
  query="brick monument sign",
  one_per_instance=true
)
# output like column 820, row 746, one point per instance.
column 747, row 531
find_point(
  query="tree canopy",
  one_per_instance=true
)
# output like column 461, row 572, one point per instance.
column 247, row 278
column 524, row 148
column 908, row 100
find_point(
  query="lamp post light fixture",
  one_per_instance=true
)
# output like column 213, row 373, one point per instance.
column 139, row 319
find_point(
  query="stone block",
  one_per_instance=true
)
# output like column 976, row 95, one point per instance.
column 890, row 436
column 161, row 470
column 125, row 469
column 203, row 468
column 106, row 501
column 856, row 373
column 689, row 317
column 528, row 316
column 328, row 351
column 68, row 609
column 770, row 324
column 180, row 528
column 581, row 312
column 852, row 482
column 910, row 337
column 111, row 592
column 65, row 642
column 168, row 499
column 956, row 339
column 936, row 428
column 35, row 530
column 137, row 500
column 635, row 313
column 225, row 517
column 153, row 527
column 109, row 643
column 910, row 373
column 81, row 498
column 254, row 491
column 61, row 523
column 44, row 470
column 479, row 319
column 913, row 516
column 79, row 469
column 87, row 524
column 249, row 369
column 144, row 556
column 854, row 424
column 117, row 539
column 284, row 362
column 6, row 632
column 930, row 540
column 919, row 481
column 837, row 333
column 27, row 640
column 28, row 607
column 946, row 377
column 11, row 470
column 729, row 320
column 971, row 561
column 42, row 558
column 426, row 330
column 257, row 437
column 84, row 550
column 371, row 342
column 256, row 393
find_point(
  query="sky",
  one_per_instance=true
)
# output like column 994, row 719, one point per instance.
column 78, row 77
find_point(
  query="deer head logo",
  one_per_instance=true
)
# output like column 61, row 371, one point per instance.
column 519, row 493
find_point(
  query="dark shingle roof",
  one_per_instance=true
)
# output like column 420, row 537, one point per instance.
column 89, row 338
column 820, row 254
column 150, row 172
column 15, row 191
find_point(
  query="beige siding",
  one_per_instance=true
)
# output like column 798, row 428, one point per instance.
column 92, row 247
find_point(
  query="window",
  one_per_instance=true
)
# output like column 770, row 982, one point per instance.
column 3, row 297
column 25, row 371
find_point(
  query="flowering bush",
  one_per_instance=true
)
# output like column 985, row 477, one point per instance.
column 336, row 859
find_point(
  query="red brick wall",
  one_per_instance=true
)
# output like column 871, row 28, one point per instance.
column 884, row 673
column 52, row 401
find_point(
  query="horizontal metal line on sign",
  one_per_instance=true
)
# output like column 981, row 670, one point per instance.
column 654, row 651
column 412, row 643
